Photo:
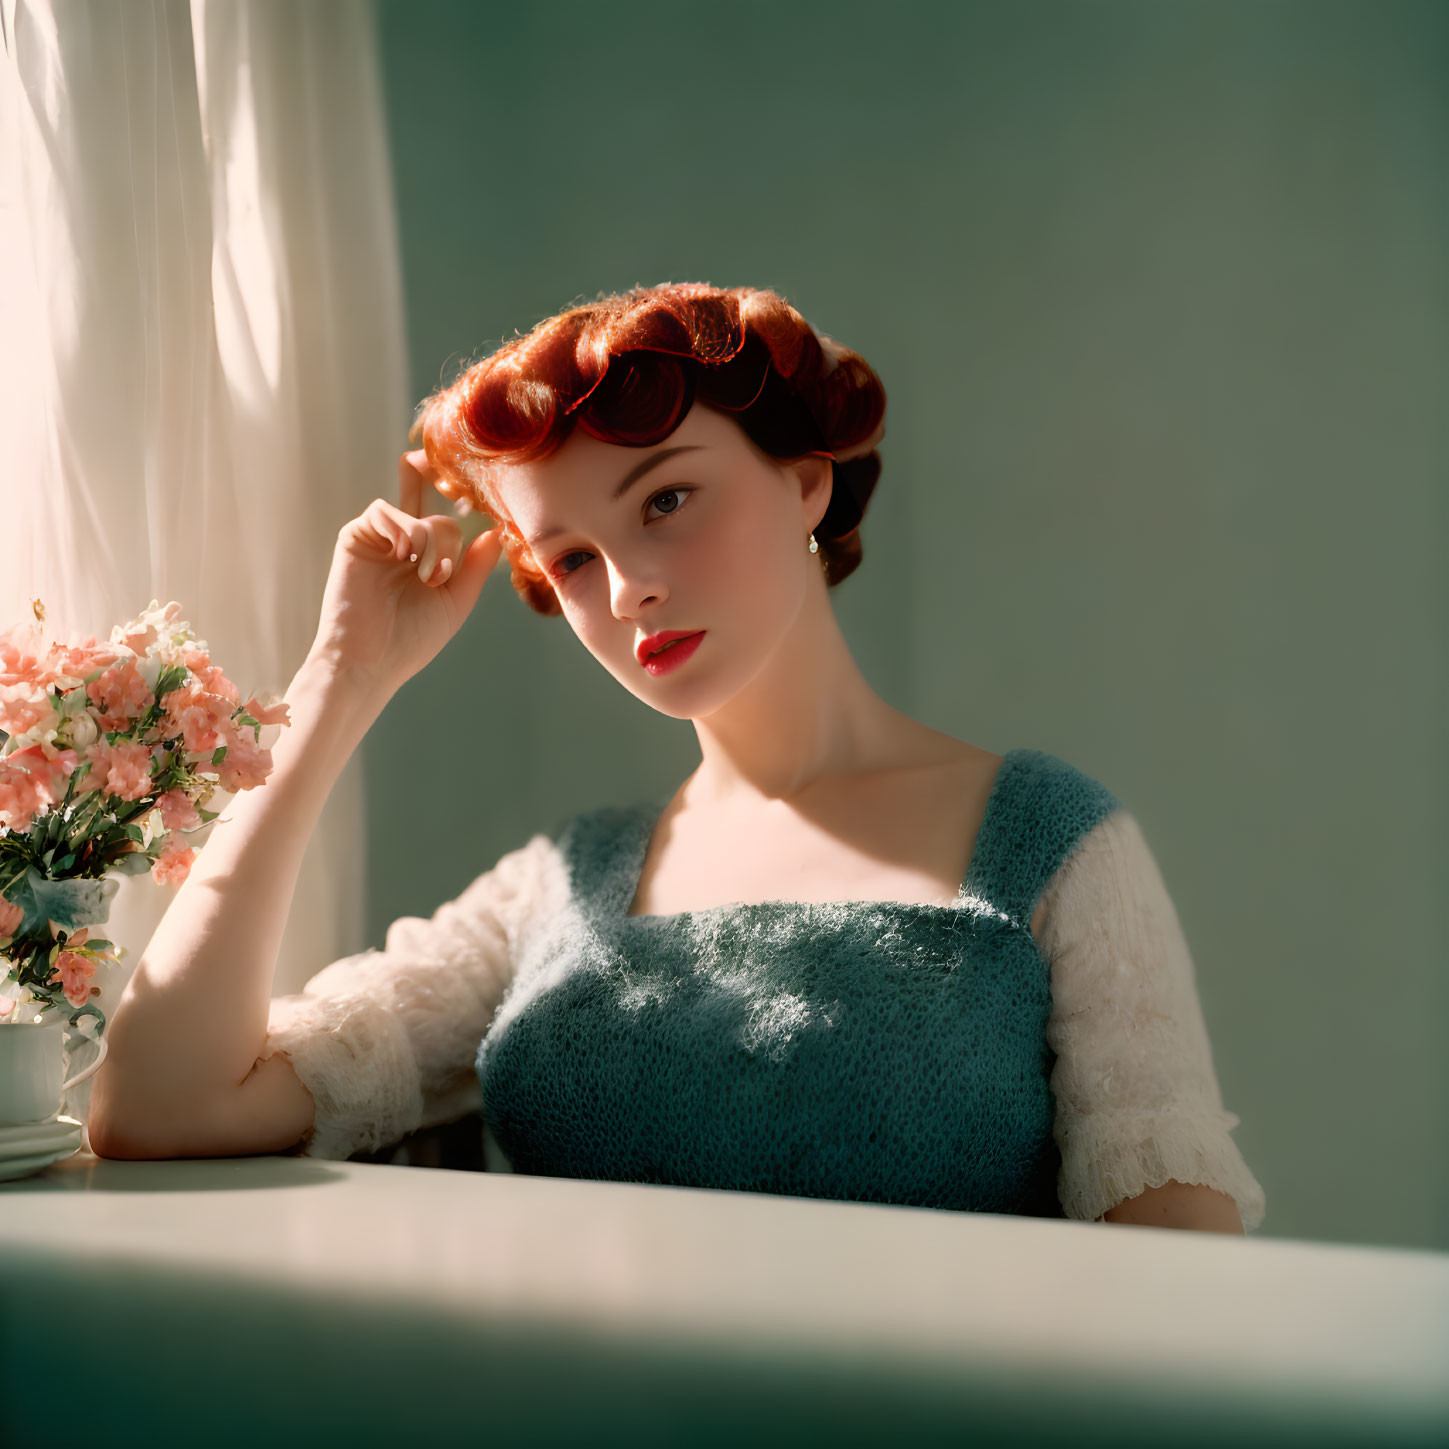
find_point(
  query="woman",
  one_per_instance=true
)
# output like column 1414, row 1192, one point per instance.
column 850, row 956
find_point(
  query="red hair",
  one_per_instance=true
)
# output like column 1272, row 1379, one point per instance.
column 627, row 369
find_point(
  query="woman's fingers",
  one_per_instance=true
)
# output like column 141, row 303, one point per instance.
column 436, row 544
column 430, row 544
column 414, row 475
column 409, row 485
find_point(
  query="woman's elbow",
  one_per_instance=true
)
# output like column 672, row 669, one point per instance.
column 1179, row 1205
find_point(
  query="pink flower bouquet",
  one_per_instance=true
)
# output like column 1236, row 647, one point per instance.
column 109, row 754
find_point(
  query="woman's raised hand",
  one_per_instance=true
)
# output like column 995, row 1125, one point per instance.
column 401, row 583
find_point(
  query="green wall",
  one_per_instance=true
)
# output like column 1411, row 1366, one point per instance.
column 1158, row 295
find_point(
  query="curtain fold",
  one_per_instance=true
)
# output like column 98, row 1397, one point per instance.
column 202, row 355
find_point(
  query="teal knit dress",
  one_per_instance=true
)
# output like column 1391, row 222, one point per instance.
column 868, row 1051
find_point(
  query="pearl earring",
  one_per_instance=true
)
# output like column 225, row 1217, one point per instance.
column 814, row 547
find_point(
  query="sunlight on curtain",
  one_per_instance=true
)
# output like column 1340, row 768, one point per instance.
column 202, row 366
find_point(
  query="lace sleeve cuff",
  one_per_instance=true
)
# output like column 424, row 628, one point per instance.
column 1106, row 1160
column 385, row 1040
column 1137, row 1098
column 353, row 1055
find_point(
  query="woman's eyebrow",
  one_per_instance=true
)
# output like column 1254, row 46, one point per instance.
column 627, row 482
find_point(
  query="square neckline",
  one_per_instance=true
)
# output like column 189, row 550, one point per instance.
column 648, row 817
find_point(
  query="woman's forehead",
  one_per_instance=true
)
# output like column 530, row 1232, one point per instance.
column 589, row 463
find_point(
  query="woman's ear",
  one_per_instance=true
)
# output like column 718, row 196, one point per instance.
column 817, row 482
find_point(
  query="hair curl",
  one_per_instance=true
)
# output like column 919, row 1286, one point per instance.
column 627, row 368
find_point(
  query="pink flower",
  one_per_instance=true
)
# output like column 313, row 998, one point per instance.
column 178, row 812
column 67, row 665
column 173, row 864
column 20, row 798
column 11, row 916
column 211, row 680
column 198, row 715
column 269, row 714
column 116, row 685
column 98, row 754
column 247, row 764
column 31, row 779
column 194, row 658
column 123, row 769
column 120, row 693
column 19, row 662
column 75, row 972
column 24, row 705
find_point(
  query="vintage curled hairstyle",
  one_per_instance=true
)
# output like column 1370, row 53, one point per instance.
column 627, row 369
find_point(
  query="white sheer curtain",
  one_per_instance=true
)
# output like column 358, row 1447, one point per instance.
column 202, row 365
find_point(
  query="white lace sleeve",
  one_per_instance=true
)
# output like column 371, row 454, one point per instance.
column 385, row 1040
column 1137, row 1099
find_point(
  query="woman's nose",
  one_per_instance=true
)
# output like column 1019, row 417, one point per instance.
column 631, row 589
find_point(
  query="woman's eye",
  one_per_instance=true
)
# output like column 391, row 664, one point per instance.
column 561, row 572
column 670, row 493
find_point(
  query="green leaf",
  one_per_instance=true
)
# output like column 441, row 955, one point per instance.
column 219, row 755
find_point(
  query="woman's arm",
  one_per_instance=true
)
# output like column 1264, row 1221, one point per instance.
column 186, row 1035
column 1179, row 1205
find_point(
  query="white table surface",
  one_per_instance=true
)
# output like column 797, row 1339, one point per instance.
column 1147, row 1325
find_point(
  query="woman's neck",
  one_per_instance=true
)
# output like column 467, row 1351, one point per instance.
column 804, row 723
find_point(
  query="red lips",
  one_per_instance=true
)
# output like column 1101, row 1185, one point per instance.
column 656, row 642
